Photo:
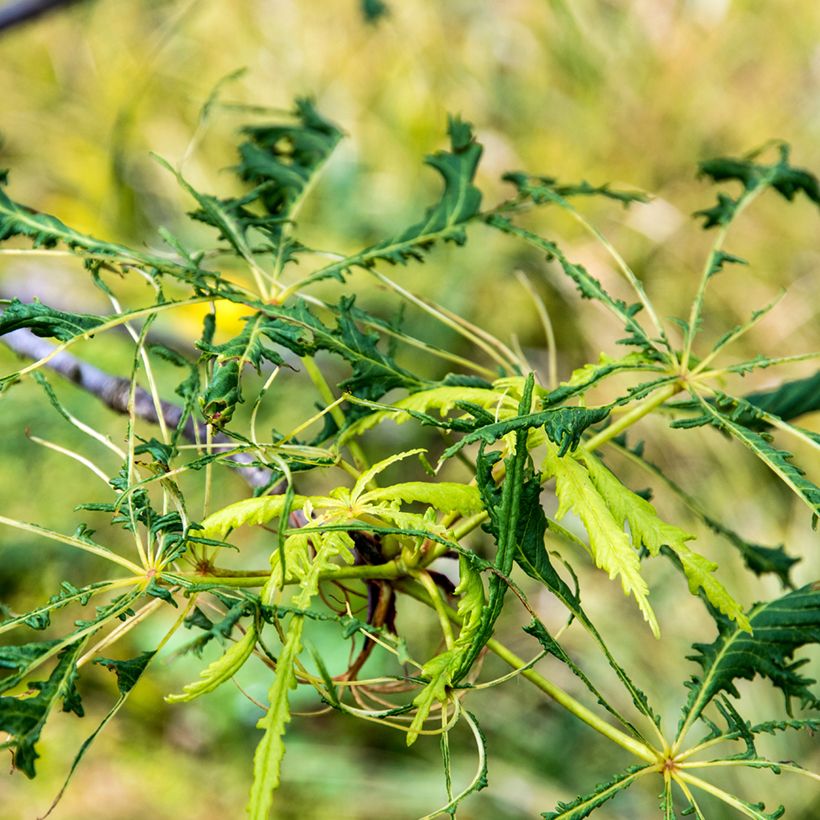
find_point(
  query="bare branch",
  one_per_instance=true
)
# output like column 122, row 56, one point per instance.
column 26, row 10
column 113, row 391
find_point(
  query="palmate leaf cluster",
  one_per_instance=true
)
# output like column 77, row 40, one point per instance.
column 336, row 525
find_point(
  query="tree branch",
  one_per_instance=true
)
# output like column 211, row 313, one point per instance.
column 24, row 11
column 113, row 391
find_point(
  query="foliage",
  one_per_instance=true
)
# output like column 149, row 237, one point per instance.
column 335, row 524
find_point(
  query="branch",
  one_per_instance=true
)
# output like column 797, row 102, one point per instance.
column 113, row 391
column 25, row 10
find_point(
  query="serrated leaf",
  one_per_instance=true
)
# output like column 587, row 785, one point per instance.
column 374, row 372
column 777, row 460
column 505, row 510
column 779, row 627
column 590, row 374
column 220, row 670
column 758, row 558
column 46, row 322
column 223, row 391
column 789, row 400
column 584, row 805
column 565, row 426
column 443, row 399
column 24, row 717
column 369, row 474
column 541, row 190
column 267, row 760
column 446, row 496
column 649, row 530
column 442, row 670
column 444, row 221
column 128, row 672
column 611, row 548
column 249, row 511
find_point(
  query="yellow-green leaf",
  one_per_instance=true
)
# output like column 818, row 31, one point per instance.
column 610, row 545
column 649, row 529
column 248, row 511
column 368, row 475
column 447, row 496
column 220, row 670
column 267, row 761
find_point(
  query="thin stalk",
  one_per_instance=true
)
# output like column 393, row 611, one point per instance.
column 103, row 552
column 697, row 304
column 121, row 630
column 413, row 342
column 690, row 797
column 641, row 750
column 635, row 414
column 546, row 323
column 627, row 272
column 72, row 454
column 435, row 597
column 787, row 767
column 326, row 393
column 729, row 799
column 497, row 351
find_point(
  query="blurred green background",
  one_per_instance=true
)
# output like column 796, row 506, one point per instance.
column 629, row 92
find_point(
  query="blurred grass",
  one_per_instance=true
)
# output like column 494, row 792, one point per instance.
column 629, row 92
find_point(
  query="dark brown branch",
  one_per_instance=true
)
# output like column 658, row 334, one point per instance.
column 114, row 391
column 24, row 11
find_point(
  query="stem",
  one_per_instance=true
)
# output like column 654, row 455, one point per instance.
column 640, row 750
column 435, row 597
column 634, row 415
column 326, row 393
column 786, row 767
column 103, row 552
column 729, row 799
column 706, row 275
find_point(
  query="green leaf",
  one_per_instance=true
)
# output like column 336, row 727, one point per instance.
column 759, row 559
column 566, row 425
column 779, row 627
column 379, row 467
column 590, row 374
column 443, row 399
column 46, row 322
column 789, row 400
column 533, row 558
column 374, row 10
column 223, row 391
column 280, row 161
column 374, row 372
column 24, row 717
column 777, row 460
column 47, row 231
column 128, row 672
column 544, row 190
column 610, row 545
column 442, row 670
column 446, row 220
column 220, row 670
column 505, row 511
column 584, row 805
